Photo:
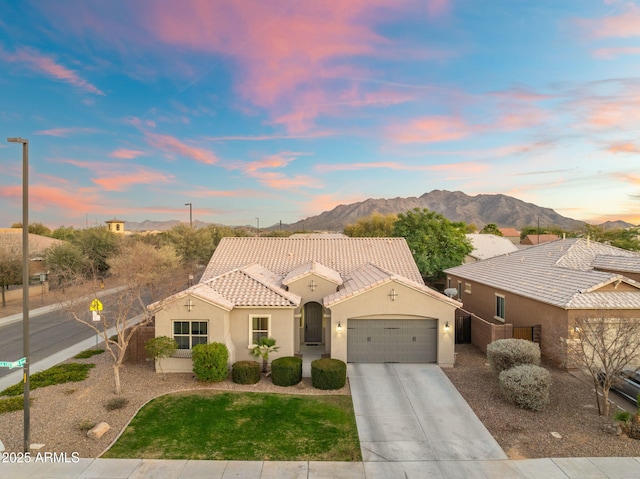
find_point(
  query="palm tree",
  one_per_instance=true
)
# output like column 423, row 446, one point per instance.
column 262, row 350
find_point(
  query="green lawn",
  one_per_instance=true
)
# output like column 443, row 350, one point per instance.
column 242, row 426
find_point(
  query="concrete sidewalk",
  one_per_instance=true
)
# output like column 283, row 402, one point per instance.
column 561, row 468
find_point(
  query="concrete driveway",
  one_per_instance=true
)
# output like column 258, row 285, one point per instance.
column 412, row 412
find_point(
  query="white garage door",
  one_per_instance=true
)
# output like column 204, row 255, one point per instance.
column 392, row 340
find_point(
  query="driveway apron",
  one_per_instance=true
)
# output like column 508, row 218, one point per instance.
column 412, row 412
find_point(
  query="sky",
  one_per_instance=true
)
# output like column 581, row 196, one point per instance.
column 283, row 109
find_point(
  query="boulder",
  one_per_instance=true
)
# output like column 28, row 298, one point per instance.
column 98, row 430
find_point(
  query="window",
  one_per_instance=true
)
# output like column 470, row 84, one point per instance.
column 467, row 288
column 499, row 307
column 189, row 333
column 448, row 282
column 459, row 291
column 117, row 227
column 258, row 328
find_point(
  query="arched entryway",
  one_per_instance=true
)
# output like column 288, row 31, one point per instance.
column 313, row 322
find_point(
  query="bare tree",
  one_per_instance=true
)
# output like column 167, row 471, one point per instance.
column 146, row 274
column 604, row 347
column 10, row 270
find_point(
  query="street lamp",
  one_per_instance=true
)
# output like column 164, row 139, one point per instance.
column 25, row 282
column 190, row 214
column 258, row 220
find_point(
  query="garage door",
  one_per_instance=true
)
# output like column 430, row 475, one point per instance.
column 392, row 341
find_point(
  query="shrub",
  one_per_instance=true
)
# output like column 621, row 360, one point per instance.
column 328, row 373
column 88, row 353
column 62, row 373
column 116, row 403
column 160, row 347
column 286, row 371
column 86, row 424
column 526, row 386
column 506, row 353
column 11, row 404
column 245, row 372
column 210, row 362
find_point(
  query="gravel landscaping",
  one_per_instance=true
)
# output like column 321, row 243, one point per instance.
column 572, row 414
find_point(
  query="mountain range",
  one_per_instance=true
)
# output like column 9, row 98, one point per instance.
column 502, row 210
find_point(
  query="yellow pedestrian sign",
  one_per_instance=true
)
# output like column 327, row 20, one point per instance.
column 96, row 305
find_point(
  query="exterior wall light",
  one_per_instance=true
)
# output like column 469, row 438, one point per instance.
column 446, row 327
column 339, row 327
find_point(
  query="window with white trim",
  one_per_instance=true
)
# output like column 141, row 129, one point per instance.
column 259, row 327
column 467, row 288
column 500, row 303
column 189, row 333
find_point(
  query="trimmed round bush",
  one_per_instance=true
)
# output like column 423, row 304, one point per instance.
column 328, row 373
column 210, row 362
column 526, row 386
column 286, row 371
column 245, row 372
column 506, row 353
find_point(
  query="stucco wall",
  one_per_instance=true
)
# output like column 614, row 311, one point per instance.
column 408, row 304
column 323, row 288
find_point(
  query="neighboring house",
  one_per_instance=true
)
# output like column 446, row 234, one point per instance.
column 552, row 284
column 487, row 246
column 358, row 299
column 11, row 241
column 115, row 226
column 539, row 239
column 511, row 234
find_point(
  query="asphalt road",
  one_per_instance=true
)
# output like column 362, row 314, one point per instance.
column 48, row 333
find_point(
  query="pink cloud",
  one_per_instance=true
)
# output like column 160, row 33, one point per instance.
column 618, row 26
column 126, row 154
column 114, row 177
column 64, row 132
column 171, row 145
column 48, row 65
column 276, row 179
column 611, row 53
column 624, row 148
column 42, row 196
column 432, row 129
column 315, row 134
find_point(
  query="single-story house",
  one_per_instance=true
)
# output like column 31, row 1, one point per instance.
column 552, row 285
column 357, row 299
column 511, row 234
column 487, row 246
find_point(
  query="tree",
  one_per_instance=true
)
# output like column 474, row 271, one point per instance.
column 375, row 225
column 66, row 263
column 436, row 243
column 491, row 229
column 98, row 245
column 146, row 274
column 64, row 233
column 10, row 271
column 262, row 350
column 194, row 245
column 604, row 347
column 35, row 228
column 160, row 347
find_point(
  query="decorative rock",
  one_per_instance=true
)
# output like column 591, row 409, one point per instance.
column 36, row 446
column 1, row 446
column 98, row 431
column 613, row 429
column 557, row 435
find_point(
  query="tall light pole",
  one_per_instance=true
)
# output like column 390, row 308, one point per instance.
column 190, row 214
column 25, row 282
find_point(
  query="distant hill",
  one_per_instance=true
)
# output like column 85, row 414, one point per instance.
column 613, row 225
column 479, row 210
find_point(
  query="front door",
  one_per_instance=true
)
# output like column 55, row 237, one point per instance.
column 312, row 323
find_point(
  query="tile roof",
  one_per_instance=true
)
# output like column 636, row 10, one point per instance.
column 11, row 240
column 509, row 232
column 342, row 254
column 313, row 267
column 558, row 273
column 624, row 264
column 539, row 239
column 368, row 277
column 487, row 246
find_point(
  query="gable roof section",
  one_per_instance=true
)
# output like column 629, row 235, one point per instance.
column 623, row 264
column 343, row 255
column 370, row 276
column 313, row 267
column 509, row 232
column 557, row 273
column 487, row 246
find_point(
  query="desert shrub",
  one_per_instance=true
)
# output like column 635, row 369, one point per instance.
column 59, row 374
column 286, row 371
column 328, row 373
column 526, row 386
column 11, row 404
column 210, row 362
column 245, row 372
column 88, row 353
column 506, row 353
column 86, row 424
column 116, row 403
